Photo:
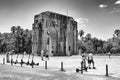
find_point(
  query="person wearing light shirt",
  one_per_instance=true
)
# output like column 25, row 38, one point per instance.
column 90, row 60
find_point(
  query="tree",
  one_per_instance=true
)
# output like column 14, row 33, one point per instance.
column 18, row 36
column 88, row 37
column 109, row 47
column 18, row 40
column 81, row 33
column 97, row 44
column 10, row 47
column 28, row 45
column 83, row 48
column 117, row 32
column 26, row 31
column 3, row 45
column 13, row 29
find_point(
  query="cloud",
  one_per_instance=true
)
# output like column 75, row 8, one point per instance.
column 116, row 11
column 117, row 2
column 102, row 6
column 81, row 22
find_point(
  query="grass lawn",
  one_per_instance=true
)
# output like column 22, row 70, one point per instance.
column 15, row 72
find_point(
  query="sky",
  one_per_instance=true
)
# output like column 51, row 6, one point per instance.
column 98, row 17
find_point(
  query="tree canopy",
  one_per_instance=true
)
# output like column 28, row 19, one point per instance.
column 92, row 44
column 18, row 40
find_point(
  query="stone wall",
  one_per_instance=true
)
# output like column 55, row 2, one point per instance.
column 62, row 34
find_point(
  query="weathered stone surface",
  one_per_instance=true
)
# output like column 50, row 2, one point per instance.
column 62, row 32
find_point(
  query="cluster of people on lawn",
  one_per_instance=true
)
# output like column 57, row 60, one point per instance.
column 88, row 59
column 85, row 58
column 44, row 55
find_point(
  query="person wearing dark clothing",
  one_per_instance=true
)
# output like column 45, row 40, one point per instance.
column 84, row 59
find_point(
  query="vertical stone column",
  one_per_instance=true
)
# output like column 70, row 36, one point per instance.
column 48, row 43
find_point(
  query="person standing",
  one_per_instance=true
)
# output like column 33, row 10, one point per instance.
column 109, row 54
column 7, row 57
column 79, row 51
column 90, row 60
column 42, row 54
column 84, row 60
column 24, row 53
column 47, row 55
